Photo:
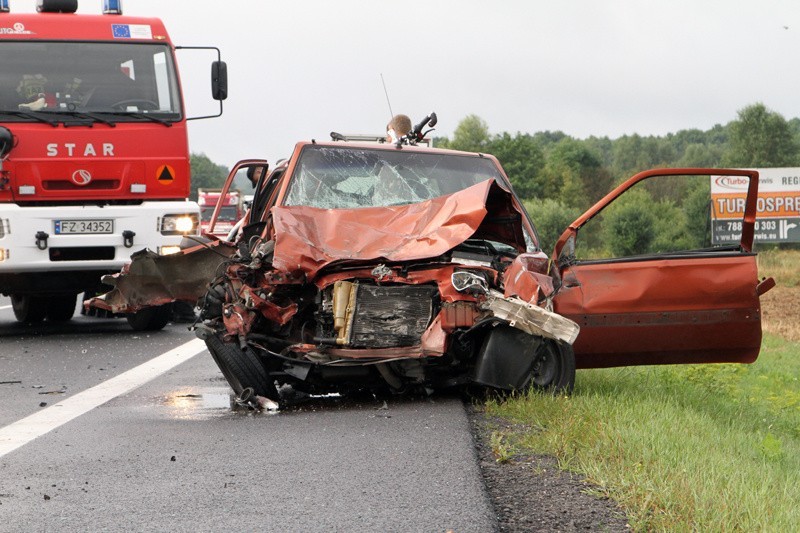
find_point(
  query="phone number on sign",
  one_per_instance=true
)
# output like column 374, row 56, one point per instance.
column 760, row 225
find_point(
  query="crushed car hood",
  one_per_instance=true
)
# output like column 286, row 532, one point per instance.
column 310, row 238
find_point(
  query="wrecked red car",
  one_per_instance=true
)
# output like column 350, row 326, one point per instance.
column 366, row 266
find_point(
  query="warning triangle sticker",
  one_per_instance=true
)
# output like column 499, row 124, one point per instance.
column 165, row 174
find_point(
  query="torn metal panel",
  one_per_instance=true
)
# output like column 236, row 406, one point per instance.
column 440, row 274
column 531, row 319
column 527, row 278
column 308, row 238
column 151, row 279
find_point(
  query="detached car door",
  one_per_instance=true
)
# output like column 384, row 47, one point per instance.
column 655, row 279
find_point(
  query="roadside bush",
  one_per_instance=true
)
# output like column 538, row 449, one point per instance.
column 629, row 224
column 551, row 218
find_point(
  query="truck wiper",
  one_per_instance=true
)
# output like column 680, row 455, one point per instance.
column 137, row 114
column 29, row 114
column 81, row 114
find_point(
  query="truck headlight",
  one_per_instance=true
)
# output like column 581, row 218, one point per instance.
column 179, row 224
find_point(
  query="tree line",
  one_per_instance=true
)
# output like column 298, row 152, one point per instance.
column 559, row 176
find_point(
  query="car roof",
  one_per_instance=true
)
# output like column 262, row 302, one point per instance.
column 390, row 147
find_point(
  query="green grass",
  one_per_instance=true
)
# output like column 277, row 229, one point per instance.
column 681, row 448
column 780, row 264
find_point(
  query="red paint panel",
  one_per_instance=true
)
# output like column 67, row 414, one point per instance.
column 116, row 158
column 677, row 310
column 459, row 315
column 65, row 26
column 309, row 238
column 526, row 278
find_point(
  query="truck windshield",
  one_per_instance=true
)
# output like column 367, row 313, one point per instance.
column 122, row 81
column 337, row 178
column 227, row 213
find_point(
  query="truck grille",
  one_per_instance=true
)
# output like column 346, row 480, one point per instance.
column 95, row 253
column 96, row 185
column 391, row 316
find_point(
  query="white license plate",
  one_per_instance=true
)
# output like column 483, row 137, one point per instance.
column 73, row 227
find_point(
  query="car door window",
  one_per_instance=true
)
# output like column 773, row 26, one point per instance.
column 668, row 215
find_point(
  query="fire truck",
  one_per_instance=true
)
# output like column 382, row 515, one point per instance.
column 94, row 155
column 230, row 212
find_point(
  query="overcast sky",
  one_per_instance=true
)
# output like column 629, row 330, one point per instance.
column 301, row 68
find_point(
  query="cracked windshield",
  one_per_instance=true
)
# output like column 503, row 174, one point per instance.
column 345, row 178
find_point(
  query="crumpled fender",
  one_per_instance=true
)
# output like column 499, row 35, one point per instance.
column 151, row 279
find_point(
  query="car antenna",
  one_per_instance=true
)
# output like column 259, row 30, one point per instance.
column 391, row 114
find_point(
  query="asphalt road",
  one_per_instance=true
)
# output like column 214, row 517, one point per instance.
column 173, row 454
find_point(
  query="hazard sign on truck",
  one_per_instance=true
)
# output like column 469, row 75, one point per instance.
column 777, row 208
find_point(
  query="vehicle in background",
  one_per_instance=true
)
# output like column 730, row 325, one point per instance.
column 231, row 210
column 94, row 155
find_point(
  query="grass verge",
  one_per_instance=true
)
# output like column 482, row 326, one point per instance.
column 781, row 265
column 681, row 448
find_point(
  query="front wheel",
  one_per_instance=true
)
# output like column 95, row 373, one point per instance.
column 61, row 308
column 553, row 367
column 241, row 368
column 150, row 318
column 29, row 309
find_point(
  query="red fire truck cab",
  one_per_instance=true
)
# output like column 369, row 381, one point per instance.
column 94, row 155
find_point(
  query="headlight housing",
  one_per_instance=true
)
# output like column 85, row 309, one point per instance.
column 469, row 282
column 179, row 224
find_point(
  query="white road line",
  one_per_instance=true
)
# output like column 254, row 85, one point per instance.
column 4, row 307
column 23, row 431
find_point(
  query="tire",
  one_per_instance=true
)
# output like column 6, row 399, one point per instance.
column 29, row 309
column 553, row 368
column 61, row 308
column 241, row 368
column 150, row 318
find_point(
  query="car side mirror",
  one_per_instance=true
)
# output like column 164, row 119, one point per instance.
column 566, row 256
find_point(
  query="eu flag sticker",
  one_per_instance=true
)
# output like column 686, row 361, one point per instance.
column 121, row 31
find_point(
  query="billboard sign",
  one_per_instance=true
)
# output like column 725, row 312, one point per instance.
column 777, row 209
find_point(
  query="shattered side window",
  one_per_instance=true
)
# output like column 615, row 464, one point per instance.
column 530, row 244
column 659, row 215
column 345, row 178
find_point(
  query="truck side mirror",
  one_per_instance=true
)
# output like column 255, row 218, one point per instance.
column 219, row 80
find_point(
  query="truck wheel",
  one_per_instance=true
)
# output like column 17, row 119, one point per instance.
column 61, row 308
column 150, row 318
column 241, row 368
column 27, row 308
